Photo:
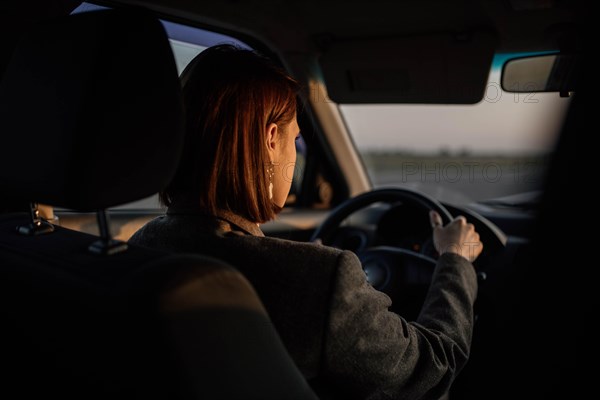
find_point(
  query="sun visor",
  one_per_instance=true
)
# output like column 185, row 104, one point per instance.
column 433, row 69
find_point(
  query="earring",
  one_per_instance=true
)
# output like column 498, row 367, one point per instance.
column 271, row 172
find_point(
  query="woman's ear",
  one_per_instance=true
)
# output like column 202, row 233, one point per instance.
column 271, row 135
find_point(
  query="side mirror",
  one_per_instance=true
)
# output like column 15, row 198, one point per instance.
column 543, row 73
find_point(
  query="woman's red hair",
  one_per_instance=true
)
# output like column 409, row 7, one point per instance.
column 230, row 97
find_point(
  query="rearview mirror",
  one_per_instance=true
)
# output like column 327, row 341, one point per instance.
column 543, row 73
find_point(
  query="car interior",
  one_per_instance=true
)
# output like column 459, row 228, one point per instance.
column 92, row 130
column 90, row 312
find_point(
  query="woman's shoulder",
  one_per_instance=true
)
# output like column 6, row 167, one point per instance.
column 302, row 247
column 344, row 262
column 163, row 232
column 186, row 234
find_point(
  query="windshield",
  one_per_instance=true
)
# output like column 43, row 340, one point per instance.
column 460, row 153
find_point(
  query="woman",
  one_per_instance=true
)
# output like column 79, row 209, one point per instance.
column 241, row 127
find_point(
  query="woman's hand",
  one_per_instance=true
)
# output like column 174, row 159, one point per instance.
column 457, row 237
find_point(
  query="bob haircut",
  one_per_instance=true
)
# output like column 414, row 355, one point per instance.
column 230, row 96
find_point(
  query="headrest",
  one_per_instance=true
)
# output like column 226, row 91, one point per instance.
column 90, row 112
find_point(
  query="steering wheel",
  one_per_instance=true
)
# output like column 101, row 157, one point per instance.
column 403, row 274
column 325, row 231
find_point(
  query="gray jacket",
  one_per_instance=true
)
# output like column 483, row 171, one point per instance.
column 336, row 327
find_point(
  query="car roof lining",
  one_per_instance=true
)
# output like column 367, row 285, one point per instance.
column 294, row 25
column 329, row 30
column 310, row 27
